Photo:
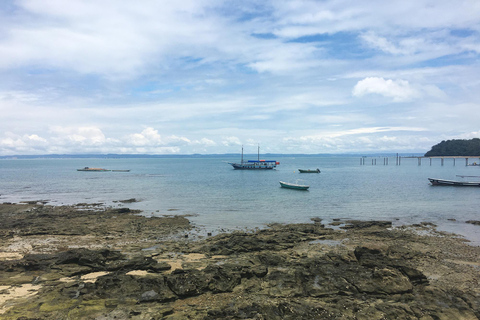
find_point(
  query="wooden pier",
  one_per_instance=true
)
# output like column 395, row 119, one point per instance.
column 398, row 160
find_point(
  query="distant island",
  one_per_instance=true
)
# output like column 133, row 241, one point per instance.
column 456, row 147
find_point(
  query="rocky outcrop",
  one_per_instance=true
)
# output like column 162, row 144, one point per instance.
column 302, row 271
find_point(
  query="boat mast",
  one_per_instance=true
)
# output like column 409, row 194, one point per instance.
column 242, row 154
column 258, row 152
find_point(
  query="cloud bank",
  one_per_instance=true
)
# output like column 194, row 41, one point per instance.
column 207, row 76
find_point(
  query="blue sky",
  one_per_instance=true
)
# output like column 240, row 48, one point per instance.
column 207, row 76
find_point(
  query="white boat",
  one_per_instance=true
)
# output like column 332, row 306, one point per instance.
column 255, row 164
column 293, row 186
column 442, row 182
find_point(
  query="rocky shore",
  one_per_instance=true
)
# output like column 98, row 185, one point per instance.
column 88, row 262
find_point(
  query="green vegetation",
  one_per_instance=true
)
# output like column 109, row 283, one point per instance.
column 456, row 148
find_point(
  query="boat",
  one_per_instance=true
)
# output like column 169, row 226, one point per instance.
column 309, row 170
column 255, row 164
column 121, row 170
column 93, row 169
column 295, row 186
column 442, row 182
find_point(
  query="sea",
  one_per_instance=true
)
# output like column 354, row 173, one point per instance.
column 217, row 197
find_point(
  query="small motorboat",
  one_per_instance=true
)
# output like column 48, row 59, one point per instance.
column 309, row 170
column 93, row 169
column 441, row 182
column 295, row 186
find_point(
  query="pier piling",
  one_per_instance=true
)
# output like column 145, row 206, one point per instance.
column 398, row 160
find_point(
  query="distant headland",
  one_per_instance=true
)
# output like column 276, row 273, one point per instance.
column 456, row 147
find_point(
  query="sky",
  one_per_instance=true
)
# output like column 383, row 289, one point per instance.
column 208, row 76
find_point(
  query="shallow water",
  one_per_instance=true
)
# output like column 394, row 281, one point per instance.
column 219, row 197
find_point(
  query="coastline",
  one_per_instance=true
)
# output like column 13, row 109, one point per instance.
column 89, row 262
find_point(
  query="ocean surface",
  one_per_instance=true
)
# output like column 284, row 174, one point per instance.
column 220, row 198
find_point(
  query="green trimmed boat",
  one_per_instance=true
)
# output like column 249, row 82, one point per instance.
column 295, row 186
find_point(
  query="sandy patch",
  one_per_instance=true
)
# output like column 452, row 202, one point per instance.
column 178, row 260
column 9, row 294
column 174, row 264
column 468, row 263
column 140, row 273
column 10, row 256
column 191, row 257
column 89, row 277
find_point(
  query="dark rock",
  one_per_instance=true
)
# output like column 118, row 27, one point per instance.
column 474, row 222
column 415, row 276
column 144, row 289
column 222, row 278
column 237, row 243
column 355, row 224
column 316, row 220
column 137, row 263
column 96, row 259
column 120, row 210
column 370, row 257
column 268, row 258
column 187, row 283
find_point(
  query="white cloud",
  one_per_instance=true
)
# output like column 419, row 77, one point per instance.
column 12, row 143
column 398, row 90
column 372, row 139
column 409, row 46
column 360, row 131
column 205, row 142
column 231, row 141
column 113, row 38
column 92, row 139
column 86, row 136
column 148, row 136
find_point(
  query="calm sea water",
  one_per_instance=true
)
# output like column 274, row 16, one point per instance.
column 219, row 197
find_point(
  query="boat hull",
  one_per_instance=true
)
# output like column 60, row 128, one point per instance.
column 293, row 186
column 441, row 182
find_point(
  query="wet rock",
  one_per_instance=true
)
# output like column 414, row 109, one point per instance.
column 119, row 210
column 376, row 258
column 355, row 224
column 96, row 259
column 223, row 278
column 237, row 243
column 474, row 222
column 188, row 283
column 137, row 263
column 131, row 200
column 268, row 258
column 142, row 289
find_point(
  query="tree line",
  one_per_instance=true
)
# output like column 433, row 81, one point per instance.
column 456, row 147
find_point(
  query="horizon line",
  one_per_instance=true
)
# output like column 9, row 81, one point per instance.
column 80, row 155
